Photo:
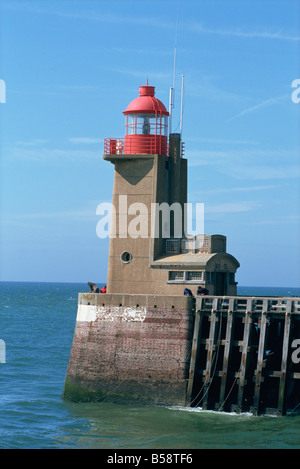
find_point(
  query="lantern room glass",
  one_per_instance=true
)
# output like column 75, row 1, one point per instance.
column 146, row 124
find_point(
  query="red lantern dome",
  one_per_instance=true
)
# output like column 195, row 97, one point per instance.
column 146, row 102
column 146, row 124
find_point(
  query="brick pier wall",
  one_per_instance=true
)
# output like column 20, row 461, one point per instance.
column 131, row 347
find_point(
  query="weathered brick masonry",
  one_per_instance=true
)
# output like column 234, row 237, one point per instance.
column 131, row 347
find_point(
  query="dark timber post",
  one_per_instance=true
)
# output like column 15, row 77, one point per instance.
column 285, row 347
column 194, row 353
column 260, row 360
column 211, row 345
column 227, row 349
column 244, row 356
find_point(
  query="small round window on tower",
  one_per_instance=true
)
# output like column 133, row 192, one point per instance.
column 126, row 257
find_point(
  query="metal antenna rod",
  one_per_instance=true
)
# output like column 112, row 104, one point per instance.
column 181, row 112
column 174, row 67
column 172, row 93
column 170, row 110
column 172, row 90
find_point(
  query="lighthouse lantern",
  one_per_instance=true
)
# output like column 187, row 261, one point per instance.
column 146, row 127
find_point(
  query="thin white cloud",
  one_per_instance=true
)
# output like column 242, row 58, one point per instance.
column 206, row 88
column 222, row 141
column 60, row 90
column 32, row 143
column 93, row 14
column 209, row 157
column 66, row 215
column 261, row 172
column 36, row 220
column 42, row 154
column 43, row 150
column 231, row 207
column 252, row 188
column 278, row 220
column 231, row 158
column 253, row 164
column 229, row 190
column 85, row 140
column 278, row 35
column 97, row 15
column 132, row 50
column 263, row 104
column 138, row 73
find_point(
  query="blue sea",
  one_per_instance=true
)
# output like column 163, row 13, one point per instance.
column 37, row 322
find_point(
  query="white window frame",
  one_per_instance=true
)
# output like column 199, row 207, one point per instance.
column 185, row 278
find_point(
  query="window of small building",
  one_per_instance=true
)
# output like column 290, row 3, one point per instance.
column 186, row 276
column 195, row 275
column 176, row 275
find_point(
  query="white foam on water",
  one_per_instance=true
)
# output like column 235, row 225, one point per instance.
column 216, row 412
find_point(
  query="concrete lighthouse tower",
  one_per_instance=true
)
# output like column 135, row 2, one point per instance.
column 135, row 341
column 150, row 251
column 145, row 177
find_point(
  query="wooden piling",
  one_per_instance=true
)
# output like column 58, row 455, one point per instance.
column 244, row 361
column 285, row 348
column 260, row 362
column 227, row 349
column 194, row 351
column 211, row 358
column 250, row 375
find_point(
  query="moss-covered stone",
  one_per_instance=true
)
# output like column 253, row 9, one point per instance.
column 76, row 393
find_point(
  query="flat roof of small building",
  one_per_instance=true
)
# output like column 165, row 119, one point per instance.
column 189, row 260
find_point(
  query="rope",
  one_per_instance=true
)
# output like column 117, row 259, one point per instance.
column 215, row 356
column 234, row 382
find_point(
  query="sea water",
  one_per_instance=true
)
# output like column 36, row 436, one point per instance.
column 37, row 323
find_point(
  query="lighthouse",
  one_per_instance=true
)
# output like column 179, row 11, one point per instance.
column 150, row 251
column 135, row 341
column 145, row 340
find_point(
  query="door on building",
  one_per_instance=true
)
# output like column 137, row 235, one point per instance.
column 221, row 284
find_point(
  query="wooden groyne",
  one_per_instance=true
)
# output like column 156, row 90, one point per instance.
column 246, row 355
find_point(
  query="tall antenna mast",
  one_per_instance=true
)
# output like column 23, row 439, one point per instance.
column 174, row 67
column 172, row 90
column 170, row 110
column 181, row 111
column 172, row 93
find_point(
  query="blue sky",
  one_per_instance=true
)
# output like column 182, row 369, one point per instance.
column 71, row 68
